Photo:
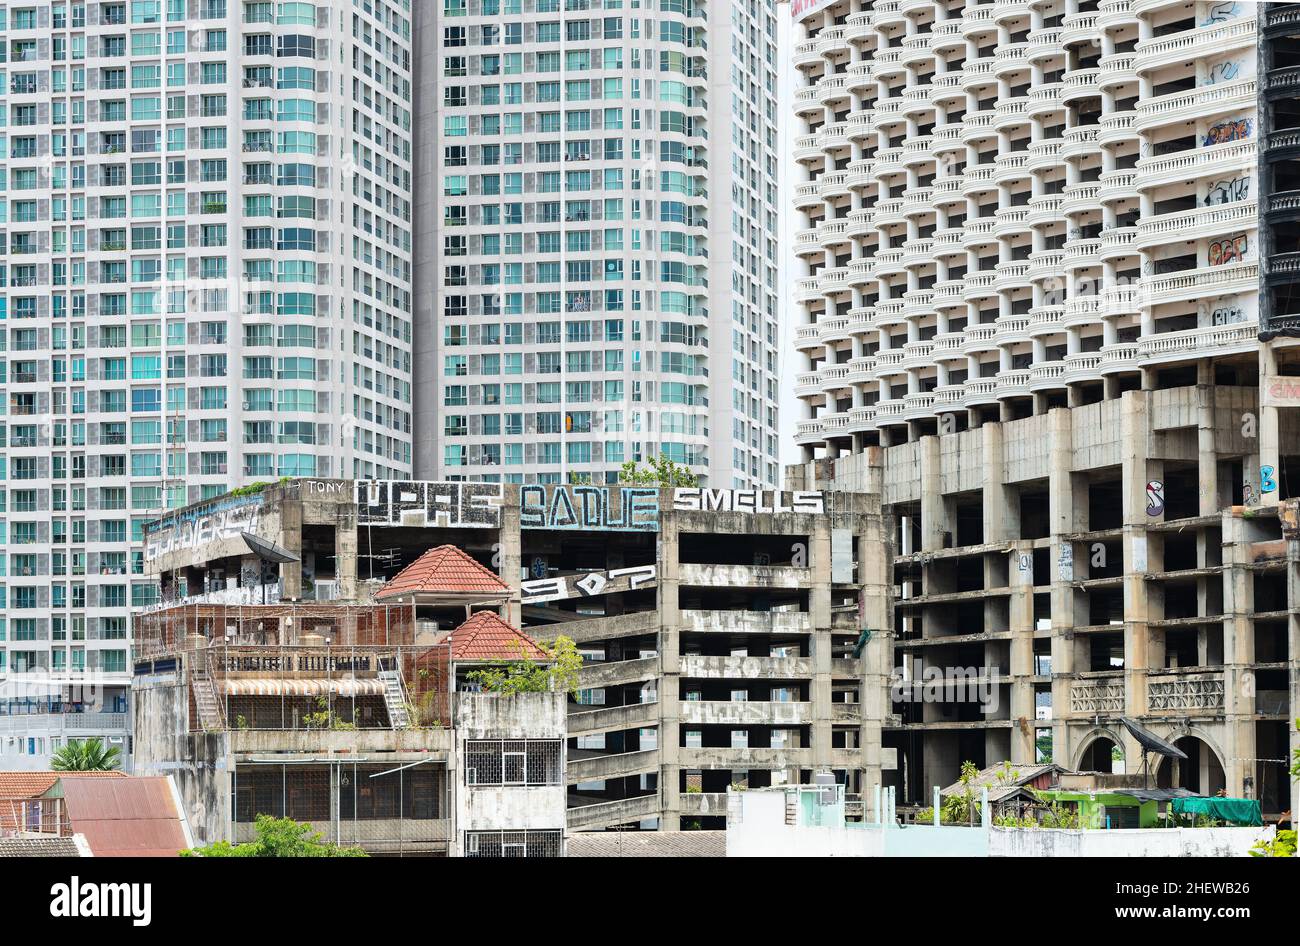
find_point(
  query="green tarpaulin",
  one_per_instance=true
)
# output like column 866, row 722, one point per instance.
column 1243, row 811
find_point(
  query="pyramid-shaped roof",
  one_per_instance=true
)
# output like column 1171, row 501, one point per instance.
column 445, row 570
column 486, row 637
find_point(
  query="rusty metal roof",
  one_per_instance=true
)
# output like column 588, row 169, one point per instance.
column 131, row 817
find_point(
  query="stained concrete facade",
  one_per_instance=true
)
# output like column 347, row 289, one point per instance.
column 729, row 636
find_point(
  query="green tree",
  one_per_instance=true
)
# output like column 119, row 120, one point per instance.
column 278, row 837
column 658, row 471
column 559, row 672
column 86, row 755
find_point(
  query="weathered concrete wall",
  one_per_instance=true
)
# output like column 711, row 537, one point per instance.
column 516, row 716
column 197, row 762
column 1136, row 842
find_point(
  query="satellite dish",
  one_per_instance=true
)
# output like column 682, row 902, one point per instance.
column 268, row 551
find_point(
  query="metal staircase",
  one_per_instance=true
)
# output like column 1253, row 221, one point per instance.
column 206, row 702
column 395, row 698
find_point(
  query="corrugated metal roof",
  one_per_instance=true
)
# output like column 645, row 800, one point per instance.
column 132, row 817
column 279, row 686
column 35, row 784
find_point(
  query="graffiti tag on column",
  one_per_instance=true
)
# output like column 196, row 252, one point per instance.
column 1155, row 498
column 1227, row 311
column 1266, row 482
column 1221, row 13
column 1223, row 72
column 1236, row 129
column 1228, row 191
column 1228, row 250
column 1065, row 562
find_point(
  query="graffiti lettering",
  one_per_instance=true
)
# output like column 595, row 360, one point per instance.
column 1223, row 72
column 1228, row 250
column 1227, row 191
column 621, row 508
column 1155, row 498
column 747, row 500
column 419, row 503
column 1237, row 129
column 225, row 520
column 1221, row 13
column 588, row 585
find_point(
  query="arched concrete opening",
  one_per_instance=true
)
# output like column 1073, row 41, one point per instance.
column 1201, row 772
column 1104, row 753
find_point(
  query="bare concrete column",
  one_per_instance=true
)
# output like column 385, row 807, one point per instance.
column 1267, row 475
column 1239, row 683
column 1001, row 522
column 1135, row 433
column 1293, row 657
column 819, row 604
column 1207, row 466
column 345, row 553
column 934, row 517
column 670, row 808
column 291, row 538
column 509, row 557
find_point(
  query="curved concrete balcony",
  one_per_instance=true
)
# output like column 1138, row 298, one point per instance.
column 1115, row 14
column 805, row 102
column 978, row 126
column 805, row 243
column 1011, row 167
column 889, row 363
column 1195, row 224
column 1200, row 342
column 946, row 191
column 981, row 391
column 889, row 412
column 1181, row 107
column 859, row 25
column 832, row 233
column 947, row 346
column 889, row 263
column 1121, row 300
column 859, row 76
column 889, row 63
column 1013, row 274
column 1232, row 158
column 807, row 384
column 1013, row 383
column 1079, row 142
column 861, row 370
column 1011, row 329
column 889, row 13
column 1079, row 28
column 809, row 432
column 806, row 195
column 889, row 163
column 1082, row 254
column 862, row 418
column 1008, row 221
column 805, row 54
column 807, row 147
column 979, row 232
column 1080, row 84
column 833, row 184
column 918, row 150
column 1046, row 264
column 918, row 201
column 807, row 289
column 949, row 397
column 833, row 280
column 832, row 88
column 1078, row 198
column 889, row 312
column 860, row 123
column 1046, row 320
column 1085, row 366
column 918, row 405
column 860, row 173
column 946, row 242
column 1117, row 243
column 976, row 73
column 917, row 51
column 836, row 425
column 833, row 378
column 980, row 337
column 1116, row 70
column 918, row 303
column 834, row 136
column 1044, row 210
column 917, row 355
column 979, row 285
column 861, row 319
column 1010, row 58
column 948, row 294
column 833, row 329
column 1081, row 311
column 1153, row 54
column 1044, row 43
column 1117, row 128
column 1199, row 283
column 1049, row 375
column 946, row 87
column 832, row 40
column 862, row 270
column 1118, row 185
column 945, row 34
column 807, row 337
column 1122, row 356
column 1046, row 100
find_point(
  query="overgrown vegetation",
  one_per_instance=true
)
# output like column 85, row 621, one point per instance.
column 278, row 837
column 658, row 471
column 86, row 755
column 558, row 672
column 326, row 718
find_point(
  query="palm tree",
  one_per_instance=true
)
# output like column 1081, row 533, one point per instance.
column 86, row 755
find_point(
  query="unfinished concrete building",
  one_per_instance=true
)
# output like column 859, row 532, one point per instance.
column 1047, row 318
column 363, row 720
column 729, row 636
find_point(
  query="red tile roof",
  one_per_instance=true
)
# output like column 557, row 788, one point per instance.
column 134, row 817
column 444, row 570
column 486, row 637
